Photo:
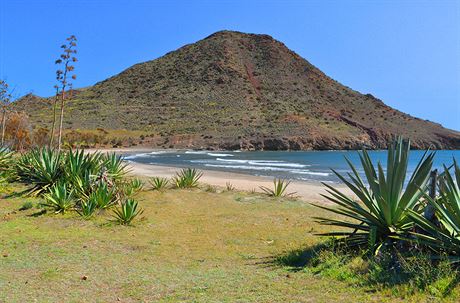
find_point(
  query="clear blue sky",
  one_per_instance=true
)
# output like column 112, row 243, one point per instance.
column 405, row 52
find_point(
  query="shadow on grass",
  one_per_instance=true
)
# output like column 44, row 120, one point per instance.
column 297, row 259
column 405, row 274
column 294, row 260
column 16, row 194
column 38, row 213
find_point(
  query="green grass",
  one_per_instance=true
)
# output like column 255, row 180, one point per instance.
column 187, row 246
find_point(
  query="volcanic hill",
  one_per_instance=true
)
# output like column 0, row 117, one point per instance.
column 233, row 90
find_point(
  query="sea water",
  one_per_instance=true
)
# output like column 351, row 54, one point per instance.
column 293, row 165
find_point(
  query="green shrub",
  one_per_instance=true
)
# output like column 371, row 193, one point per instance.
column 412, row 271
column 127, row 212
column 187, row 178
column 158, row 183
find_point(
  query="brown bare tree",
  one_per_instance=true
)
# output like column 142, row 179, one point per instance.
column 64, row 75
column 5, row 100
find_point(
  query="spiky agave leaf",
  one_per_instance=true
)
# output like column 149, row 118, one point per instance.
column 158, row 183
column 7, row 172
column 6, row 157
column 115, row 166
column 187, row 178
column 132, row 187
column 127, row 212
column 40, row 167
column 279, row 188
column 444, row 238
column 103, row 196
column 78, row 163
column 59, row 198
column 87, row 208
column 383, row 203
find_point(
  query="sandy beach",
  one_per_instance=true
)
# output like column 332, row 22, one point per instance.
column 307, row 191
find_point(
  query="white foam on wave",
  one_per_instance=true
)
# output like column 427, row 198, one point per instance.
column 150, row 154
column 159, row 152
column 232, row 160
column 269, row 168
column 134, row 156
column 200, row 161
column 307, row 172
column 265, row 163
column 197, row 152
column 220, row 155
column 249, row 167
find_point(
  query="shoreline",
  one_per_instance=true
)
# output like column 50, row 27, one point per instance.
column 308, row 191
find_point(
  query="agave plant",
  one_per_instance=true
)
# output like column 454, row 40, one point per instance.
column 40, row 167
column 6, row 157
column 444, row 237
column 229, row 186
column 102, row 196
column 158, row 183
column 382, row 209
column 279, row 188
column 82, row 185
column 77, row 163
column 187, row 178
column 87, row 208
column 132, row 187
column 115, row 166
column 6, row 161
column 59, row 198
column 127, row 212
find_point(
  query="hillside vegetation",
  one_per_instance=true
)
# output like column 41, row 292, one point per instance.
column 233, row 90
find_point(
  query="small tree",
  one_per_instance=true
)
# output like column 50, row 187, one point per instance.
column 5, row 99
column 18, row 130
column 63, row 76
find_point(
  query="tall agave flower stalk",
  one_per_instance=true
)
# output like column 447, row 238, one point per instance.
column 381, row 211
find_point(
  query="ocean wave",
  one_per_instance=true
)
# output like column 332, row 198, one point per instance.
column 159, row 152
column 220, row 155
column 322, row 181
column 197, row 152
column 249, row 167
column 307, row 172
column 232, row 160
column 265, row 163
column 134, row 156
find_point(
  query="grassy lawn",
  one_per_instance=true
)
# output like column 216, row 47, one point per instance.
column 188, row 246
